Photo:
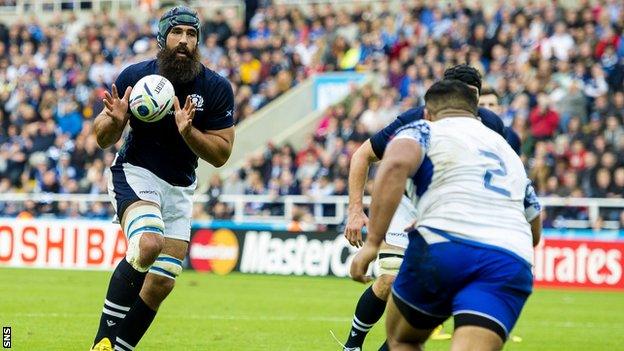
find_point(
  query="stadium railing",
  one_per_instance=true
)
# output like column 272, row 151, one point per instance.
column 337, row 216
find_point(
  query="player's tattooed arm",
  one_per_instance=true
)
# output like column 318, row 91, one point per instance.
column 110, row 123
column 361, row 160
column 401, row 159
column 213, row 146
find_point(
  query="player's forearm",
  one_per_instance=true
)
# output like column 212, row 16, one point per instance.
column 536, row 230
column 358, row 174
column 389, row 187
column 107, row 130
column 212, row 148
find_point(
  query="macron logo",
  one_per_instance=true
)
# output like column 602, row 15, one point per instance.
column 110, row 323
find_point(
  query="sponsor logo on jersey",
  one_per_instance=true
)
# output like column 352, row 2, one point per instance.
column 151, row 192
column 214, row 251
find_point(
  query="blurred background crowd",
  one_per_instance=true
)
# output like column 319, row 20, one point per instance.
column 558, row 71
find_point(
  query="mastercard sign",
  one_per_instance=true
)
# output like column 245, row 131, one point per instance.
column 214, row 251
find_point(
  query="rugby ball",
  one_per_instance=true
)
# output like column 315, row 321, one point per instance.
column 151, row 98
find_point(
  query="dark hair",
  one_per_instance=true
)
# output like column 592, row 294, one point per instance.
column 451, row 94
column 466, row 74
column 490, row 91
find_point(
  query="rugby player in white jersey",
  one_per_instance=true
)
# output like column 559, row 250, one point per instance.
column 470, row 255
column 372, row 303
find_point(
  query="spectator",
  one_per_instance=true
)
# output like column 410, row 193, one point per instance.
column 544, row 120
column 559, row 75
column 561, row 42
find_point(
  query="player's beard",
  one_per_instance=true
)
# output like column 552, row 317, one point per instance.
column 179, row 69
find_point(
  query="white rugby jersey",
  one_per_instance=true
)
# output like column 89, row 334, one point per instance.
column 471, row 186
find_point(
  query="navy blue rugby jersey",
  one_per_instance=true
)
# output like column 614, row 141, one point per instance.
column 513, row 139
column 158, row 146
column 380, row 140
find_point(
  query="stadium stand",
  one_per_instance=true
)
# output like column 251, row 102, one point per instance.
column 559, row 73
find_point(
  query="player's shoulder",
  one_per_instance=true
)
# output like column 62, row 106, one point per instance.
column 214, row 80
column 140, row 69
column 491, row 120
column 419, row 130
column 412, row 115
column 421, row 124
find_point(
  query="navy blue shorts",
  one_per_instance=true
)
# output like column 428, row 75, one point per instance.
column 476, row 285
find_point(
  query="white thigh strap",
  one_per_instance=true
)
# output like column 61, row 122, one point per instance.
column 166, row 266
column 144, row 219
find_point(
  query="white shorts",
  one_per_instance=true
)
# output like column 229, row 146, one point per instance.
column 403, row 217
column 128, row 183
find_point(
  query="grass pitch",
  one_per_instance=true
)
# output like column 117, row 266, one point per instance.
column 59, row 310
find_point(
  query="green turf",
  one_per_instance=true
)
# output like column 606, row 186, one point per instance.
column 59, row 310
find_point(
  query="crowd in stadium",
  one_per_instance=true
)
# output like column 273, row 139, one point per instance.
column 558, row 71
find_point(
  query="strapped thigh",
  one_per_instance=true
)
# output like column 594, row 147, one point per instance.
column 139, row 220
column 166, row 266
column 390, row 260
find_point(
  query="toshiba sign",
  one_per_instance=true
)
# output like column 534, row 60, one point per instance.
column 579, row 263
column 61, row 243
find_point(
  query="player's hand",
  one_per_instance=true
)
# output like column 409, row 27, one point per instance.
column 353, row 230
column 361, row 261
column 115, row 107
column 184, row 116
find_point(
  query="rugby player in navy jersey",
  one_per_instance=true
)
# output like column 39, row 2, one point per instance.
column 372, row 302
column 153, row 176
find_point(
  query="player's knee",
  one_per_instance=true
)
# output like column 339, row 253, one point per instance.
column 144, row 228
column 150, row 247
column 383, row 286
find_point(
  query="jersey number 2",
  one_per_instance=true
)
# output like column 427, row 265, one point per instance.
column 490, row 173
